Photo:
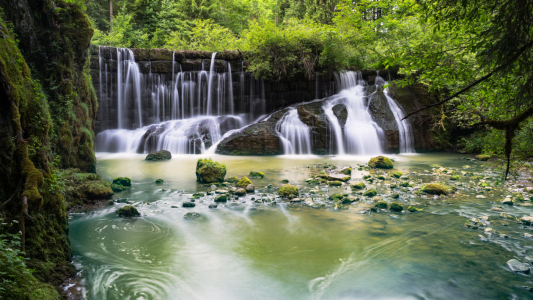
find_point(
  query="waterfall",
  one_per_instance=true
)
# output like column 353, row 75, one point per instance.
column 406, row 137
column 360, row 135
column 294, row 134
column 128, row 85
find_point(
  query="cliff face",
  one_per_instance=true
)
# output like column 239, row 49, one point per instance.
column 47, row 111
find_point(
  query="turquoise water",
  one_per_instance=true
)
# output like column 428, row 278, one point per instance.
column 248, row 250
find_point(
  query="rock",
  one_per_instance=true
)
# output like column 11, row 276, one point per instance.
column 110, row 202
column 296, row 200
column 507, row 201
column 288, row 190
column 394, row 206
column 518, row 197
column 381, row 205
column 346, row 171
column 188, row 204
column 240, row 192
column 527, row 220
column 357, row 185
column 370, row 193
column 380, row 162
column 213, row 205
column 208, row 171
column 470, row 225
column 377, row 199
column 249, row 188
column 127, row 211
column 341, row 113
column 285, row 181
column 191, row 215
column 221, row 191
column 123, row 181
column 221, row 198
column 496, row 208
column 159, row 181
column 257, row 174
column 397, row 174
column 507, row 216
column 414, row 209
column 395, row 196
column 159, row 155
column 455, row 177
column 233, row 179
column 334, row 183
column 244, row 182
column 483, row 157
column 435, row 189
column 517, row 266
column 338, row 177
column 528, row 235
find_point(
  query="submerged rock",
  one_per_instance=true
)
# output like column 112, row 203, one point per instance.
column 257, row 174
column 240, row 192
column 517, row 266
column 191, row 215
column 381, row 162
column 208, row 171
column 221, row 198
column 213, row 205
column 159, row 155
column 128, row 211
column 159, row 181
column 381, row 205
column 189, row 204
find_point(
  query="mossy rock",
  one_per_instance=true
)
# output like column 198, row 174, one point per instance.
column 518, row 197
column 414, row 209
column 381, row 162
column 96, row 190
column 159, row 181
column 381, row 205
column 335, row 183
column 233, row 179
column 346, row 171
column 159, row 155
column 243, row 183
column 455, row 177
column 209, row 171
column 288, row 190
column 335, row 197
column 257, row 174
column 119, row 188
column 436, row 189
column 250, row 188
column 123, row 181
column 395, row 206
column 381, row 177
column 370, row 193
column 395, row 196
column 483, row 157
column 405, row 184
column 128, row 211
column 188, row 204
column 240, row 192
column 357, row 186
column 397, row 174
column 286, row 180
column 365, row 177
column 221, row 198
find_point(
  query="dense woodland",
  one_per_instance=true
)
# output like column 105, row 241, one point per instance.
column 475, row 57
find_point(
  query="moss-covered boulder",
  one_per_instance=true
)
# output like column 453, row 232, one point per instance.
column 414, row 209
column 357, row 185
column 346, row 171
column 381, row 205
column 127, row 211
column 395, row 206
column 288, row 190
column 233, row 179
column 243, row 182
column 124, row 181
column 83, row 188
column 436, row 189
column 221, row 198
column 483, row 157
column 381, row 162
column 455, row 177
column 257, row 174
column 397, row 174
column 370, row 193
column 209, row 171
column 335, row 183
column 159, row 181
column 159, row 155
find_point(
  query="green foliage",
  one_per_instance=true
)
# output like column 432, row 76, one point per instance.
column 204, row 35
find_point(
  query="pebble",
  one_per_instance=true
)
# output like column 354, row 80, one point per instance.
column 517, row 266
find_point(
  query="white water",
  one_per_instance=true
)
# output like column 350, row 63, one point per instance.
column 294, row 134
column 361, row 135
column 407, row 140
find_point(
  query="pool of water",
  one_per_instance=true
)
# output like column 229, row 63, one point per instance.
column 248, row 250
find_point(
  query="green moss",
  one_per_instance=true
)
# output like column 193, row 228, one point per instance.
column 221, row 198
column 233, row 179
column 455, row 177
column 209, row 171
column 436, row 189
column 395, row 206
column 244, row 182
column 335, row 197
column 518, row 197
column 335, row 183
column 405, row 184
column 381, row 177
column 381, row 205
column 414, row 209
column 257, row 174
column 370, row 193
column 381, row 162
column 288, row 190
column 347, row 171
column 397, row 174
column 483, row 157
column 124, row 181
column 127, row 211
column 357, row 185
column 159, row 181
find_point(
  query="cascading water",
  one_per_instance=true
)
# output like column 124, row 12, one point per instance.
column 407, row 140
column 294, row 134
column 360, row 135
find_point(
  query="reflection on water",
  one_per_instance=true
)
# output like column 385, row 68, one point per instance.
column 248, row 250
